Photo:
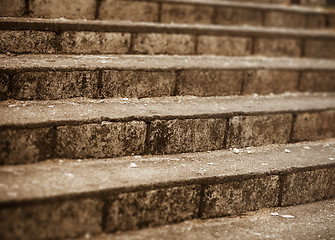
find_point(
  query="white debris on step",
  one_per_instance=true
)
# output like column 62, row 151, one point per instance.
column 78, row 160
column 211, row 164
column 87, row 236
column 51, row 106
column 70, row 175
column 183, row 165
column 202, row 171
column 236, row 151
column 12, row 105
column 326, row 145
column 249, row 152
column 132, row 165
column 307, row 148
column 286, row 216
column 274, row 214
column 60, row 161
column 331, row 159
column 137, row 156
column 287, row 151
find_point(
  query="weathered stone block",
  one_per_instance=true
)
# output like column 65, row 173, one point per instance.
column 316, row 21
column 227, row 46
column 209, row 82
column 238, row 16
column 149, row 208
column 182, row 13
column 95, row 42
column 25, row 145
column 314, row 126
column 121, row 10
column 320, row 48
column 55, row 85
column 318, row 81
column 51, row 220
column 157, row 43
column 308, row 186
column 188, row 135
column 284, row 19
column 4, row 80
column 74, row 9
column 130, row 83
column 101, row 140
column 12, row 8
column 270, row 81
column 331, row 20
column 240, row 196
column 259, row 130
column 278, row 47
column 27, row 42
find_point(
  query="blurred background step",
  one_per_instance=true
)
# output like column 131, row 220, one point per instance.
column 177, row 11
column 32, row 131
column 87, row 197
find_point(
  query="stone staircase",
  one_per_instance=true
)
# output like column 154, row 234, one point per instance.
column 119, row 115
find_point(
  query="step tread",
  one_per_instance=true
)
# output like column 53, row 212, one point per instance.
column 78, row 111
column 311, row 221
column 68, row 178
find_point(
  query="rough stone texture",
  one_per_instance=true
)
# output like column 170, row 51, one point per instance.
column 318, row 81
column 156, row 43
column 278, row 47
column 259, row 130
column 331, row 20
column 75, row 9
column 25, row 145
column 314, row 126
column 55, row 85
column 108, row 139
column 129, row 83
column 156, row 207
column 320, row 48
column 270, row 81
column 240, row 196
column 202, row 82
column 182, row 13
column 12, row 8
column 316, row 21
column 4, row 80
column 284, row 19
column 188, row 135
column 52, row 220
column 238, row 16
column 95, row 42
column 308, row 186
column 120, row 10
column 27, row 42
column 227, row 46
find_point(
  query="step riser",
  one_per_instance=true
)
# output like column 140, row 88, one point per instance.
column 61, row 84
column 113, row 211
column 151, row 11
column 224, row 44
column 156, row 136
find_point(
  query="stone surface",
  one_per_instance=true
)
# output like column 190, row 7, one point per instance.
column 25, row 145
column 284, row 19
column 120, row 10
column 316, row 21
column 259, row 130
column 227, row 46
column 95, row 42
column 238, row 16
column 4, row 80
column 317, row 81
column 320, row 48
column 240, row 196
column 314, row 126
column 182, row 13
column 278, row 47
column 202, row 82
column 55, row 85
column 149, row 208
column 158, row 43
column 269, row 81
column 12, row 8
column 129, row 83
column 331, row 20
column 76, row 9
column 27, row 42
column 59, row 219
column 188, row 135
column 308, row 186
column 108, row 139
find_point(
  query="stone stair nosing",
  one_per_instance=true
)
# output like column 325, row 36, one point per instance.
column 181, row 11
column 84, row 197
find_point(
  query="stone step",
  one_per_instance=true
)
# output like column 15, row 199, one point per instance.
column 177, row 11
column 26, row 77
column 59, row 198
column 19, row 35
column 306, row 221
column 32, row 131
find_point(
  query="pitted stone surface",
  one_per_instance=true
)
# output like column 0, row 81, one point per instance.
column 278, row 47
column 238, row 16
column 12, row 8
column 317, row 81
column 284, row 19
column 4, row 80
column 316, row 21
column 320, row 48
